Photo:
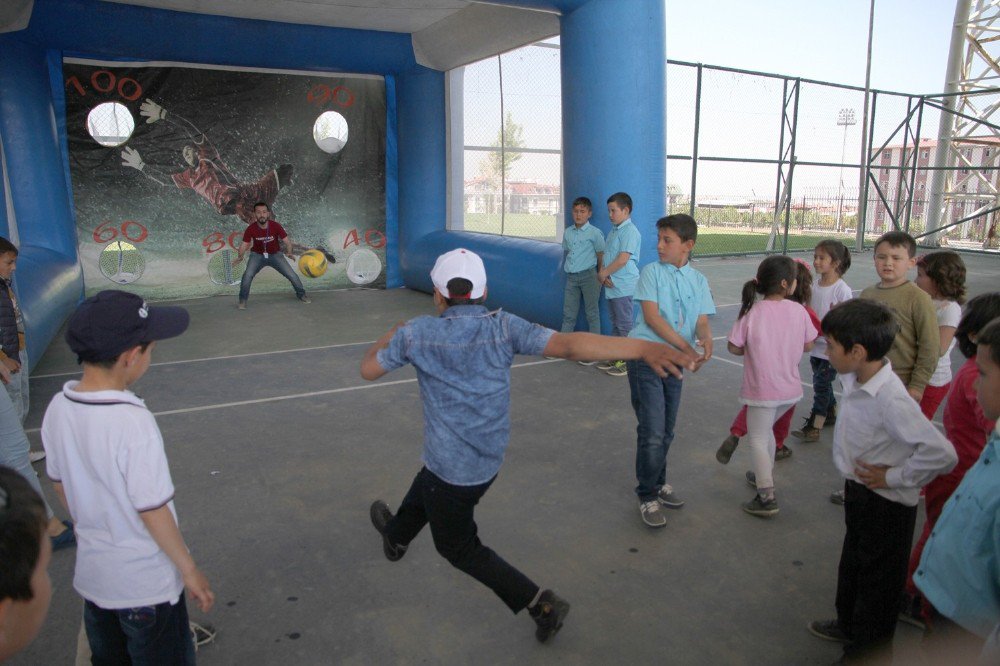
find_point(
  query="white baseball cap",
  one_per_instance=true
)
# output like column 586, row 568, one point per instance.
column 460, row 263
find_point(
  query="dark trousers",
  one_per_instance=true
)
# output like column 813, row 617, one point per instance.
column 150, row 635
column 823, row 375
column 449, row 510
column 872, row 573
column 655, row 400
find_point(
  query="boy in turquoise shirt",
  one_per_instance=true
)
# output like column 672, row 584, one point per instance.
column 583, row 246
column 620, row 271
column 675, row 303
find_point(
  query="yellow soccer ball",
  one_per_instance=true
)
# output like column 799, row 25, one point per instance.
column 312, row 263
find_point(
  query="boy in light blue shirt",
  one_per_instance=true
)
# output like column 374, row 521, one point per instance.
column 620, row 271
column 674, row 305
column 583, row 246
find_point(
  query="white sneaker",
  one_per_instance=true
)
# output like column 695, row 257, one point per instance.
column 586, row 362
column 35, row 456
column 651, row 514
column 605, row 365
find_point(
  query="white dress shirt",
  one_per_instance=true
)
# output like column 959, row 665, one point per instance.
column 880, row 424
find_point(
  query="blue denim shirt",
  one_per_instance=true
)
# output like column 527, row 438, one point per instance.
column 959, row 571
column 463, row 360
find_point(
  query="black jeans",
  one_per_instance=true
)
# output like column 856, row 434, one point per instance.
column 872, row 573
column 449, row 510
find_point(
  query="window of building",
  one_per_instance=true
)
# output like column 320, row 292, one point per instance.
column 925, row 154
column 505, row 144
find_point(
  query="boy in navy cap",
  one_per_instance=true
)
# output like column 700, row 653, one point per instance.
column 463, row 358
column 107, row 463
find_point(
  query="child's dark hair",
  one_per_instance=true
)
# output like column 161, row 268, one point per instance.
column 108, row 363
column 803, row 283
column 622, row 200
column 861, row 321
column 990, row 337
column 898, row 239
column 6, row 246
column 462, row 288
column 838, row 252
column 980, row 311
column 582, row 201
column 681, row 224
column 770, row 273
column 947, row 270
column 22, row 525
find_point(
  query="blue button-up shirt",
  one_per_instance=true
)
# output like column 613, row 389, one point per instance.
column 681, row 296
column 463, row 360
column 959, row 572
column 623, row 238
column 581, row 245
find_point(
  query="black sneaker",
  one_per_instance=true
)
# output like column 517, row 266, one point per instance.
column 381, row 515
column 831, row 416
column 911, row 611
column 838, row 497
column 828, row 630
column 752, row 480
column 761, row 507
column 725, row 451
column 548, row 614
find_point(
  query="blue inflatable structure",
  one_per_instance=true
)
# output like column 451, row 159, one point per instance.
column 613, row 80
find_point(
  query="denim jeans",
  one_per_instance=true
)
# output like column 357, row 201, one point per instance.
column 823, row 376
column 277, row 262
column 655, row 401
column 145, row 635
column 622, row 316
column 583, row 284
column 449, row 510
column 18, row 387
column 14, row 446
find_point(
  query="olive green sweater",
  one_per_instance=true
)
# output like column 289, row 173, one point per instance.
column 917, row 346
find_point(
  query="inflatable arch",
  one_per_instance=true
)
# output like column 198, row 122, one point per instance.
column 613, row 88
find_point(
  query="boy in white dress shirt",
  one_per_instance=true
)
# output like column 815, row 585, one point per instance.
column 886, row 452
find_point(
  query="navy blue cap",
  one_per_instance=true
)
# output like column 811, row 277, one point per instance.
column 113, row 321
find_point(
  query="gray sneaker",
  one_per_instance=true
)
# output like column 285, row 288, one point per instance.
column 619, row 369
column 668, row 498
column 651, row 514
column 783, row 453
column 586, row 362
column 760, row 507
column 35, row 456
column 305, row 299
column 725, row 451
column 837, row 497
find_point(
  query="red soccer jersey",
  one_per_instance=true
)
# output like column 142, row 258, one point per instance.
column 266, row 238
column 211, row 180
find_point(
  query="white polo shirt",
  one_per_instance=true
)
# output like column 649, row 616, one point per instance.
column 106, row 450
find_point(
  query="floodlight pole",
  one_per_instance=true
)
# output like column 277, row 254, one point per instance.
column 859, row 240
column 846, row 118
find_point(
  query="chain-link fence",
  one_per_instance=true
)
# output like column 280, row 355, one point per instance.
column 764, row 162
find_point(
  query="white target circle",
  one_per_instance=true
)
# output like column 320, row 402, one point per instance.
column 363, row 266
column 330, row 132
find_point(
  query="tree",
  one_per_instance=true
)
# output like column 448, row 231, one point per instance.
column 510, row 137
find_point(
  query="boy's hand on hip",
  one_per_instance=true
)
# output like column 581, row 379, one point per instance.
column 197, row 585
column 873, row 476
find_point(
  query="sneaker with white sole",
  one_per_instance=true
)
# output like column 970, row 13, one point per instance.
column 837, row 497
column 619, row 369
column 35, row 456
column 760, row 507
column 305, row 299
column 828, row 630
column 668, row 498
column 605, row 365
column 651, row 514
column 586, row 362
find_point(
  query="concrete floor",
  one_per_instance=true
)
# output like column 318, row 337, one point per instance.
column 278, row 447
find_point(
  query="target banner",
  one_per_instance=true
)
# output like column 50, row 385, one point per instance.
column 168, row 161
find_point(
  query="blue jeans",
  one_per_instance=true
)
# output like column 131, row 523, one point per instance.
column 275, row 261
column 621, row 314
column 14, row 446
column 145, row 635
column 583, row 284
column 18, row 387
column 449, row 510
column 655, row 401
column 823, row 376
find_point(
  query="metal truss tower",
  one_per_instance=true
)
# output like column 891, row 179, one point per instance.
column 970, row 116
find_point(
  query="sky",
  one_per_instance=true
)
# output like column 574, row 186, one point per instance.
column 824, row 40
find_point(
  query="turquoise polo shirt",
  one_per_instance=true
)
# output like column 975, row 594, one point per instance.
column 681, row 295
column 581, row 245
column 623, row 238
